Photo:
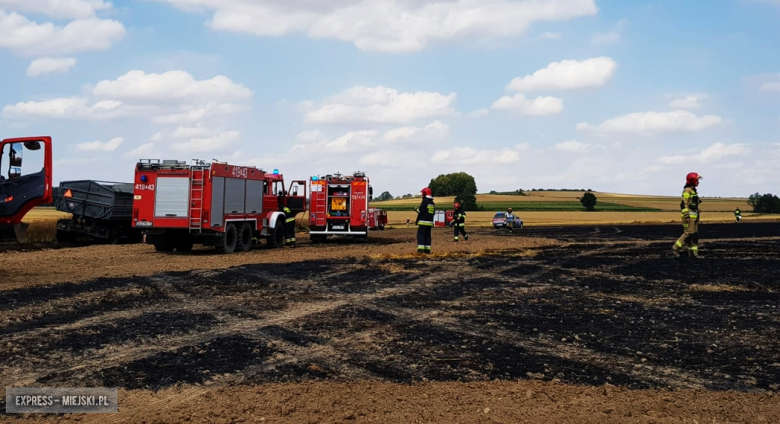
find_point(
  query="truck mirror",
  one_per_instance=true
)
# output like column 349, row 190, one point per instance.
column 14, row 173
column 371, row 191
column 295, row 190
column 16, row 154
column 32, row 145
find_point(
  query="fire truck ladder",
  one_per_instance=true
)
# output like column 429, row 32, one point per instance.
column 197, row 182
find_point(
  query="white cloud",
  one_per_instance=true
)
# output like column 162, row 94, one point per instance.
column 29, row 38
column 144, row 151
column 653, row 123
column 381, row 105
column 687, row 102
column 49, row 65
column 539, row 106
column 472, row 156
column 219, row 141
column 572, row 146
column 351, row 142
column 549, row 36
column 712, row 153
column 390, row 159
column 66, row 108
column 157, row 136
column 63, row 9
column 606, row 38
column 190, row 132
column 568, row 75
column 101, row 146
column 610, row 37
column 174, row 97
column 479, row 113
column 387, row 25
column 172, row 86
column 771, row 86
column 190, row 114
column 434, row 131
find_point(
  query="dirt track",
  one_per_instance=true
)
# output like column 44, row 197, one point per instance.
column 577, row 324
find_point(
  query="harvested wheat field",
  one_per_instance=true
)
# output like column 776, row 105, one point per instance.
column 585, row 324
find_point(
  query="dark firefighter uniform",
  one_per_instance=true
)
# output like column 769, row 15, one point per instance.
column 424, row 222
column 459, row 223
column 738, row 215
column 289, row 226
column 689, row 215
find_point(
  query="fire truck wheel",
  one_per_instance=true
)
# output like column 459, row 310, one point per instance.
column 229, row 240
column 163, row 247
column 276, row 241
column 245, row 238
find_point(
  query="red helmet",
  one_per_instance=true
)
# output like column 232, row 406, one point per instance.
column 426, row 191
column 693, row 178
column 457, row 205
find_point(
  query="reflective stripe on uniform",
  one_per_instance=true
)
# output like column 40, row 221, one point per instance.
column 290, row 220
column 425, row 223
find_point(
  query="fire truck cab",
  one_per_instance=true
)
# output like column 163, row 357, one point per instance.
column 216, row 204
column 339, row 206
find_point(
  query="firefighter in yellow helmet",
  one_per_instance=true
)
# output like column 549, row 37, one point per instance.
column 689, row 214
column 289, row 226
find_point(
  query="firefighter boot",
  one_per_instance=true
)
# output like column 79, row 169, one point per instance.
column 466, row 237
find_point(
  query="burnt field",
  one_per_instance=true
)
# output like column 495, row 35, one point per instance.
column 601, row 305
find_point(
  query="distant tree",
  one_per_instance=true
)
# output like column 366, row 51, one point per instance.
column 588, row 200
column 766, row 203
column 384, row 196
column 520, row 192
column 467, row 201
column 493, row 192
column 453, row 184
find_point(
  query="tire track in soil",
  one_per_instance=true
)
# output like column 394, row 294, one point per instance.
column 239, row 325
column 230, row 326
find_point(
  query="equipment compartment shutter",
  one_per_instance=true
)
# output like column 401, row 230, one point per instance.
column 254, row 196
column 217, row 200
column 235, row 190
column 172, row 197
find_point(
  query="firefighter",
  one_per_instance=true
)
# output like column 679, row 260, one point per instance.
column 289, row 227
column 689, row 214
column 738, row 215
column 459, row 222
column 510, row 219
column 424, row 221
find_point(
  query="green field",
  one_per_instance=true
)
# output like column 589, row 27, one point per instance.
column 520, row 206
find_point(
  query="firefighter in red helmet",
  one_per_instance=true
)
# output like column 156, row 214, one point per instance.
column 424, row 221
column 459, row 222
column 689, row 214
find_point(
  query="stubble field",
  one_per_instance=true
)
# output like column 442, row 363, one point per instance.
column 593, row 323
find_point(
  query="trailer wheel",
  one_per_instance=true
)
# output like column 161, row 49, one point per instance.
column 113, row 236
column 276, row 241
column 229, row 239
column 245, row 238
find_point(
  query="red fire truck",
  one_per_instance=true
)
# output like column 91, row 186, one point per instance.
column 339, row 206
column 213, row 204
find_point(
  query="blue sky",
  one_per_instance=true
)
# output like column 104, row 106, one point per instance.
column 616, row 96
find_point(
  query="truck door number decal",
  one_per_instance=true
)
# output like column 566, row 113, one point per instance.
column 239, row 172
column 144, row 187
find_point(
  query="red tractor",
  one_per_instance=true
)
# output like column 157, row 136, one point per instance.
column 215, row 204
column 23, row 187
column 339, row 206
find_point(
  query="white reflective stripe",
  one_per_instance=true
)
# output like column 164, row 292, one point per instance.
column 425, row 222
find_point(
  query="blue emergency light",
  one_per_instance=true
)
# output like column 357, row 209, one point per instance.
column 144, row 179
column 276, row 171
column 315, row 178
